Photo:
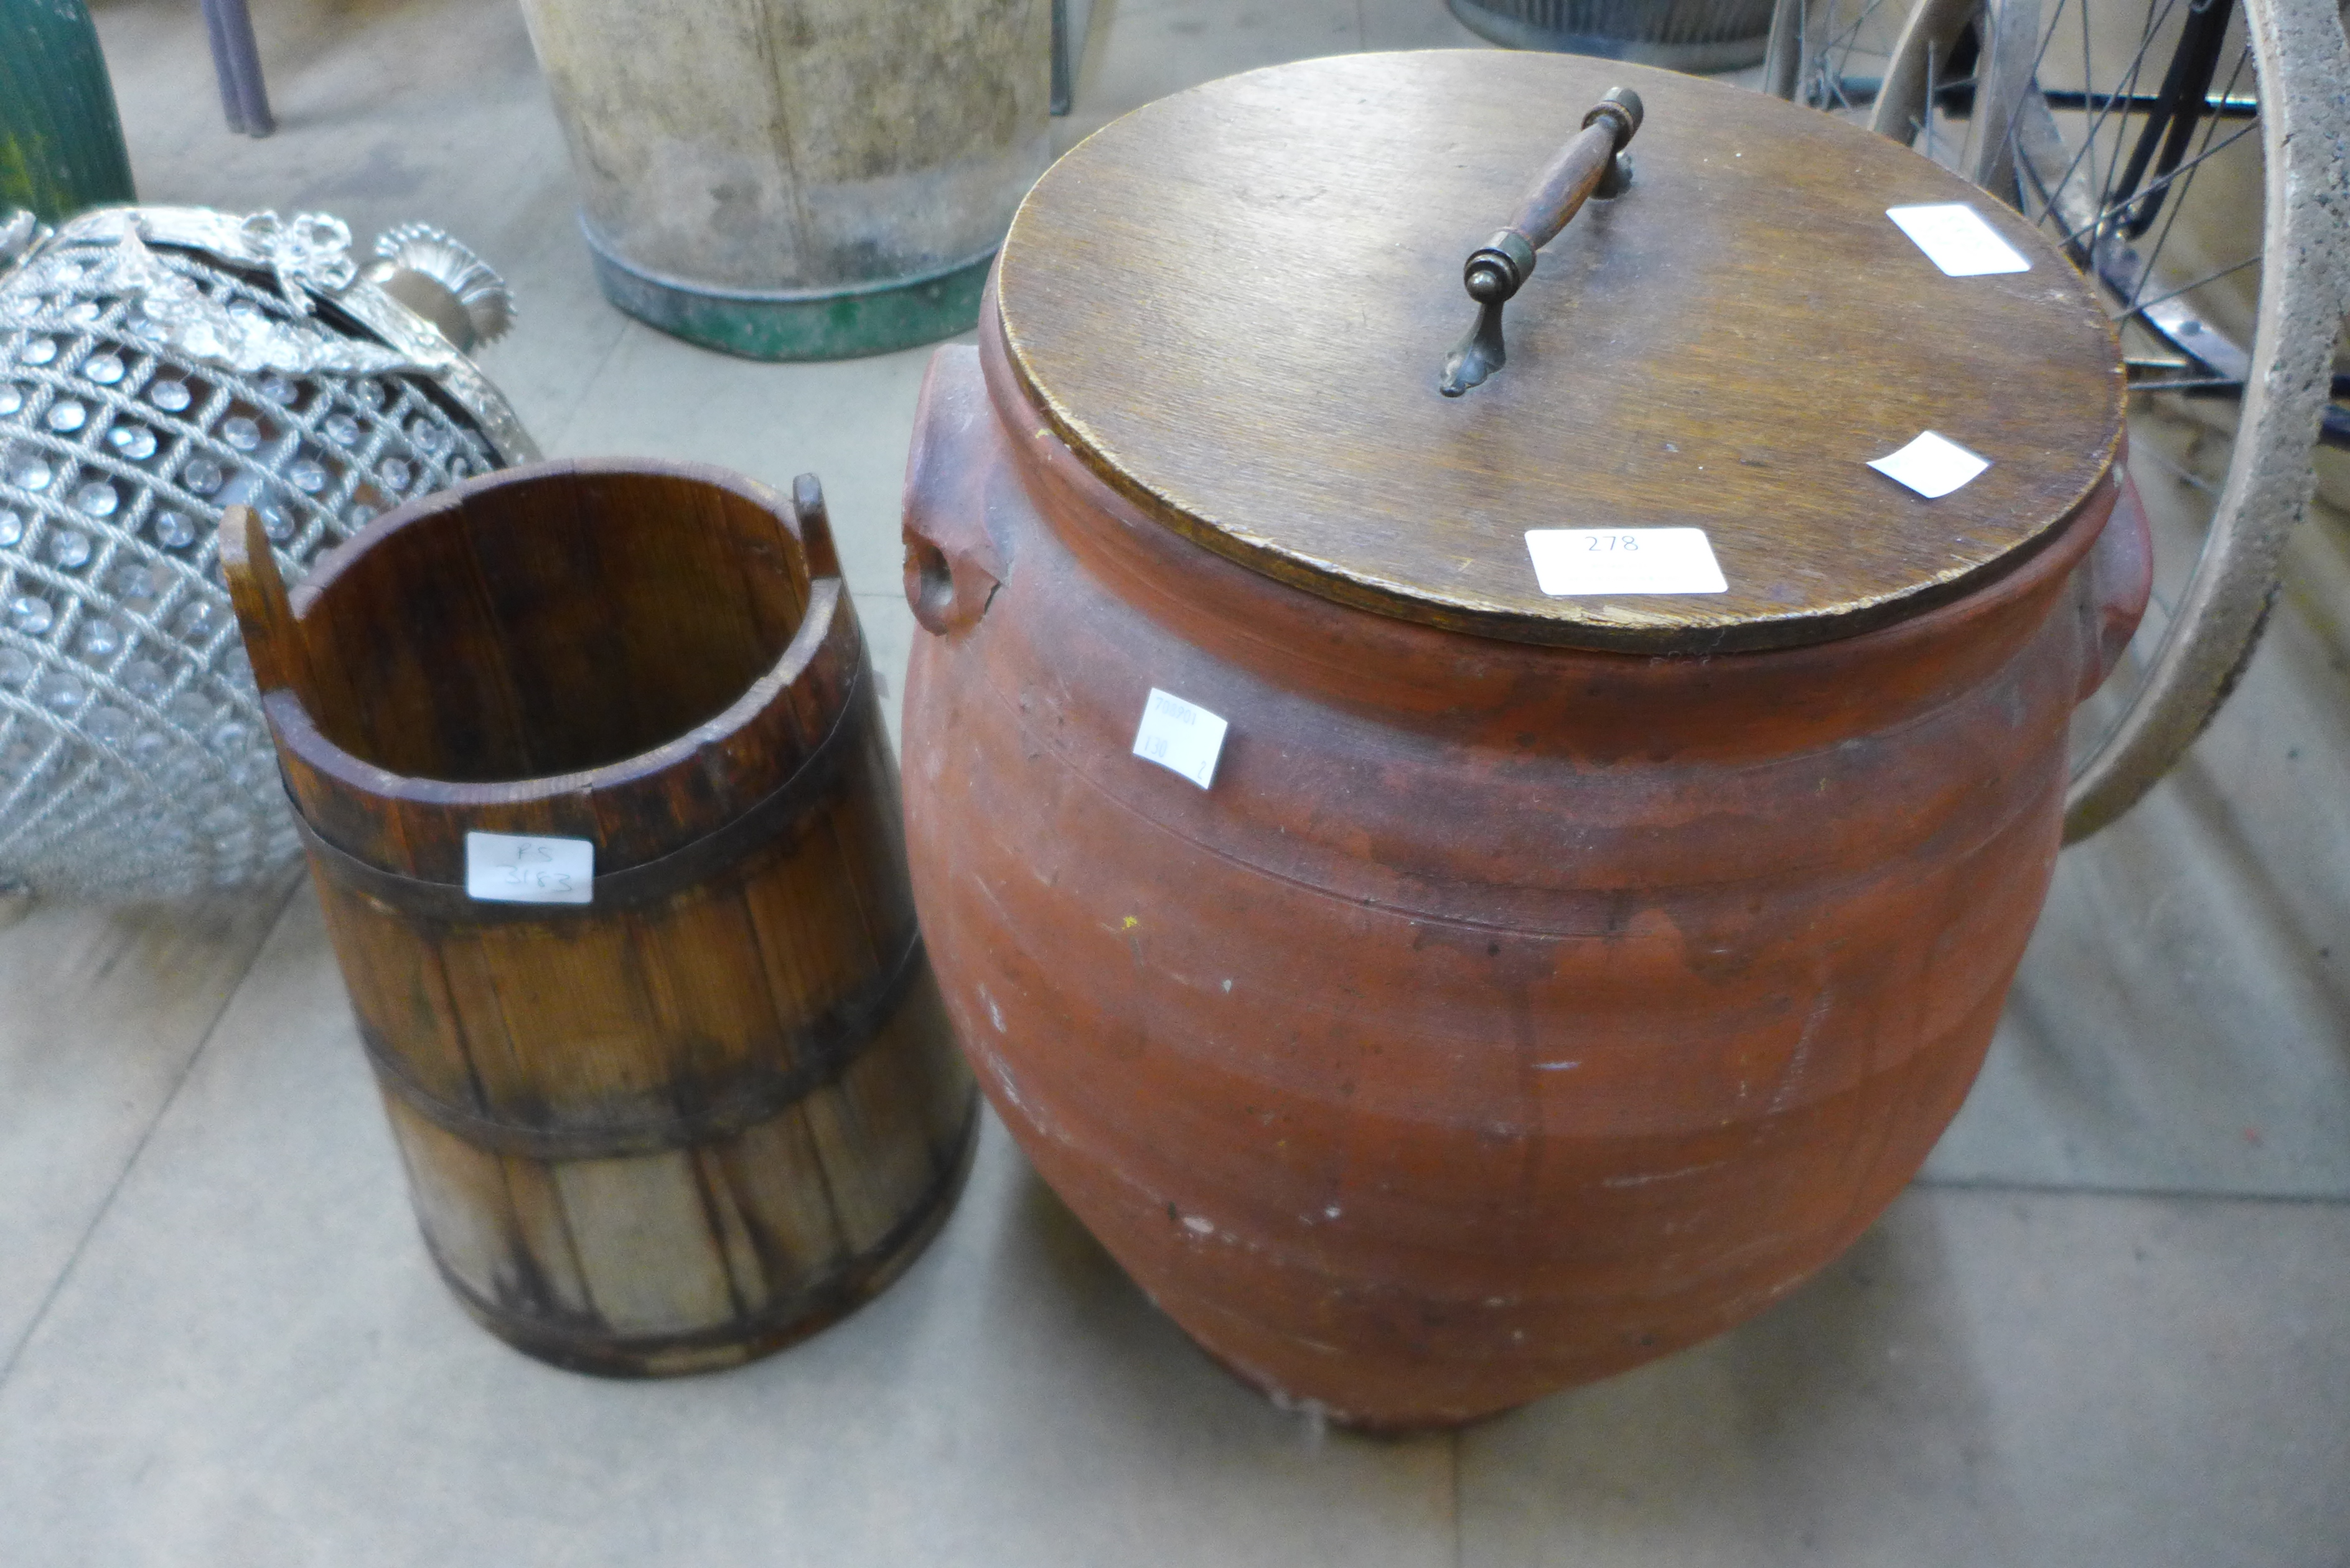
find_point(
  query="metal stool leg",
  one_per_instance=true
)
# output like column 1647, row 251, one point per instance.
column 1068, row 51
column 243, row 96
column 223, row 70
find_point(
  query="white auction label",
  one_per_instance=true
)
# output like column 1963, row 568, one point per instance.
column 1931, row 465
column 1571, row 562
column 1958, row 239
column 502, row 868
column 1180, row 735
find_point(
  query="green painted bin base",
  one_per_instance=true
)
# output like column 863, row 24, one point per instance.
column 832, row 324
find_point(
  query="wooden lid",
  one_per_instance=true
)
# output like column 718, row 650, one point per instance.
column 1234, row 304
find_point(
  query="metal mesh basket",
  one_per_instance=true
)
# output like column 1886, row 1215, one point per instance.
column 157, row 366
column 1680, row 35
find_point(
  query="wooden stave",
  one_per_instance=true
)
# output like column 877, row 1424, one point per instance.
column 525, row 1308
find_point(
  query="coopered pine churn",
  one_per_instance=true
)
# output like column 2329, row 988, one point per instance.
column 1561, row 961
column 713, row 1102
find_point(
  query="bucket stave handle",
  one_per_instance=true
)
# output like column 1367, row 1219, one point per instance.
column 283, row 657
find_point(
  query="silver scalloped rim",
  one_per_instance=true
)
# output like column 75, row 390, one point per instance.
column 221, row 234
column 173, row 311
column 487, row 302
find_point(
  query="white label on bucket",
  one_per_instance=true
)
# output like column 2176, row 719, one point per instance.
column 1582, row 561
column 504, row 869
column 1958, row 239
column 1931, row 465
column 1180, row 735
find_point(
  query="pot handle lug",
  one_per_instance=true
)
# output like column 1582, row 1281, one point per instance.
column 1593, row 164
column 2120, row 573
column 952, row 564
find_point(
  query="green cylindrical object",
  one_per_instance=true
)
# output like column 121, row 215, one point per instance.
column 60, row 139
column 798, row 179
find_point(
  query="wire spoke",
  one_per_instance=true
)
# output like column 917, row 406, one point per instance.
column 2144, row 305
column 2124, row 95
column 2177, row 469
column 2015, row 109
column 2129, row 89
column 2105, row 210
column 2179, row 204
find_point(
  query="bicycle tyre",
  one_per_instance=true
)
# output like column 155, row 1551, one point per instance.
column 2017, row 149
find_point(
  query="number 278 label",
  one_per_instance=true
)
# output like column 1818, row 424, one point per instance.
column 1597, row 561
column 506, row 868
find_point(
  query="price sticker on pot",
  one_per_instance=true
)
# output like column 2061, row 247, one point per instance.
column 1574, row 562
column 1958, row 239
column 502, row 868
column 1932, row 465
column 1182, row 736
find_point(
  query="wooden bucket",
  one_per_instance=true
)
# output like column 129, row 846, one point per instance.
column 716, row 1105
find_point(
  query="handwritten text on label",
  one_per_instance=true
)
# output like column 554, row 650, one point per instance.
column 1180, row 735
column 502, row 868
column 1593, row 561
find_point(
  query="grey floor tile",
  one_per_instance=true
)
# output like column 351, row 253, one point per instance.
column 1138, row 50
column 407, row 110
column 2182, row 1019
column 849, row 422
column 253, row 1364
column 100, row 1013
column 434, row 110
column 1414, row 25
column 889, row 631
column 1986, row 1379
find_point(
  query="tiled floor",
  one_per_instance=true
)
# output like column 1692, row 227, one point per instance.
column 221, row 1344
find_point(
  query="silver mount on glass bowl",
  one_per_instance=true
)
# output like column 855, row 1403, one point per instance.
column 158, row 365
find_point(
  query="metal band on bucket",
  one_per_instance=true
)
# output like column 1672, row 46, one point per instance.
column 725, row 849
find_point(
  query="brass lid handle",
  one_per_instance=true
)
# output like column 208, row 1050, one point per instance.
column 1593, row 164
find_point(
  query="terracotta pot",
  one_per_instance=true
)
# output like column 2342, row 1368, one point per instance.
column 1505, row 1015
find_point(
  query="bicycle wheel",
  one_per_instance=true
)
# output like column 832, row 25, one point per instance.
column 2194, row 157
